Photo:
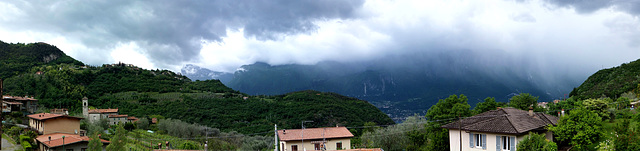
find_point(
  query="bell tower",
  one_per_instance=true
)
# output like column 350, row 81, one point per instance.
column 85, row 107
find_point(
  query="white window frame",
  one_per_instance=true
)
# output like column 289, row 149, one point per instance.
column 505, row 142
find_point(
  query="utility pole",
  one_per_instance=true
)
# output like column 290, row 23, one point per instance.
column 275, row 137
column 460, row 131
column 303, row 149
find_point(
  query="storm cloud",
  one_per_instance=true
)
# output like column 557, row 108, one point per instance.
column 167, row 32
column 548, row 39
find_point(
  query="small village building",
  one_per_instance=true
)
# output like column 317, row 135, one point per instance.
column 16, row 103
column 98, row 114
column 132, row 119
column 115, row 119
column 9, row 106
column 499, row 129
column 47, row 123
column 332, row 138
column 71, row 142
column 59, row 111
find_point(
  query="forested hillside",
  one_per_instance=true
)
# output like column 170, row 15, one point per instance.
column 140, row 92
column 18, row 58
column 611, row 82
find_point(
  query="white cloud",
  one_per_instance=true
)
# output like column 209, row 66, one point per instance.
column 130, row 53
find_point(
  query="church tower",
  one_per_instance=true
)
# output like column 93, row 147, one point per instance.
column 85, row 107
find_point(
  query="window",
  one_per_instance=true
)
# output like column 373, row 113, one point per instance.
column 339, row 145
column 506, row 143
column 316, row 146
column 83, row 149
column 478, row 139
column 294, row 147
column 69, row 149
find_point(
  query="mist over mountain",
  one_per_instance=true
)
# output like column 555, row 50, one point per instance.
column 406, row 84
column 198, row 73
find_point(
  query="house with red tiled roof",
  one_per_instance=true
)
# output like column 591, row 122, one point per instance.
column 331, row 138
column 47, row 123
column 111, row 115
column 499, row 129
column 57, row 141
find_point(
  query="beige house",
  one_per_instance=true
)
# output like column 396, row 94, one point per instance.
column 332, row 138
column 71, row 142
column 47, row 123
column 497, row 130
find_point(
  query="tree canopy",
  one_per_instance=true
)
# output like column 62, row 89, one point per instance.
column 523, row 101
column 536, row 142
column 449, row 108
column 581, row 128
column 488, row 105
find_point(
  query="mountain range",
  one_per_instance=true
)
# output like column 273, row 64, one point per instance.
column 398, row 85
column 59, row 81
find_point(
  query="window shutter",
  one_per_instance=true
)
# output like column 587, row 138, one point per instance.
column 513, row 143
column 484, row 141
column 471, row 140
column 498, row 141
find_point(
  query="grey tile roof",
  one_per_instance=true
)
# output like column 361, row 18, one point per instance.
column 504, row 120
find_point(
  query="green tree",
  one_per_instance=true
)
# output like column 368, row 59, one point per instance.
column 626, row 138
column 95, row 144
column 444, row 111
column 118, row 141
column 438, row 137
column 536, row 142
column 396, row 137
column 582, row 128
column 523, row 101
column 143, row 123
column 449, row 108
column 488, row 105
column 599, row 106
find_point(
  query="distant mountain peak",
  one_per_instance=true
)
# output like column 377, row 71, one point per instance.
column 195, row 72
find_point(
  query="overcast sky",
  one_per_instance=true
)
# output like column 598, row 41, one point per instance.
column 573, row 36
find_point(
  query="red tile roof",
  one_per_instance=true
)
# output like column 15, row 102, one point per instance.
column 56, row 139
column 314, row 133
column 132, row 118
column 46, row 116
column 103, row 111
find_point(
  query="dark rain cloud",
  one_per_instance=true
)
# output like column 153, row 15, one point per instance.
column 171, row 31
column 588, row 6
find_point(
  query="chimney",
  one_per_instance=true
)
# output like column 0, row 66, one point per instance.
column 284, row 131
column 562, row 112
column 530, row 111
column 559, row 114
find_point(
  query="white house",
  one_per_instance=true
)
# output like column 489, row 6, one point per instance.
column 497, row 130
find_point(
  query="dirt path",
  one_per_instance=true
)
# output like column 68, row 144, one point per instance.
column 6, row 146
